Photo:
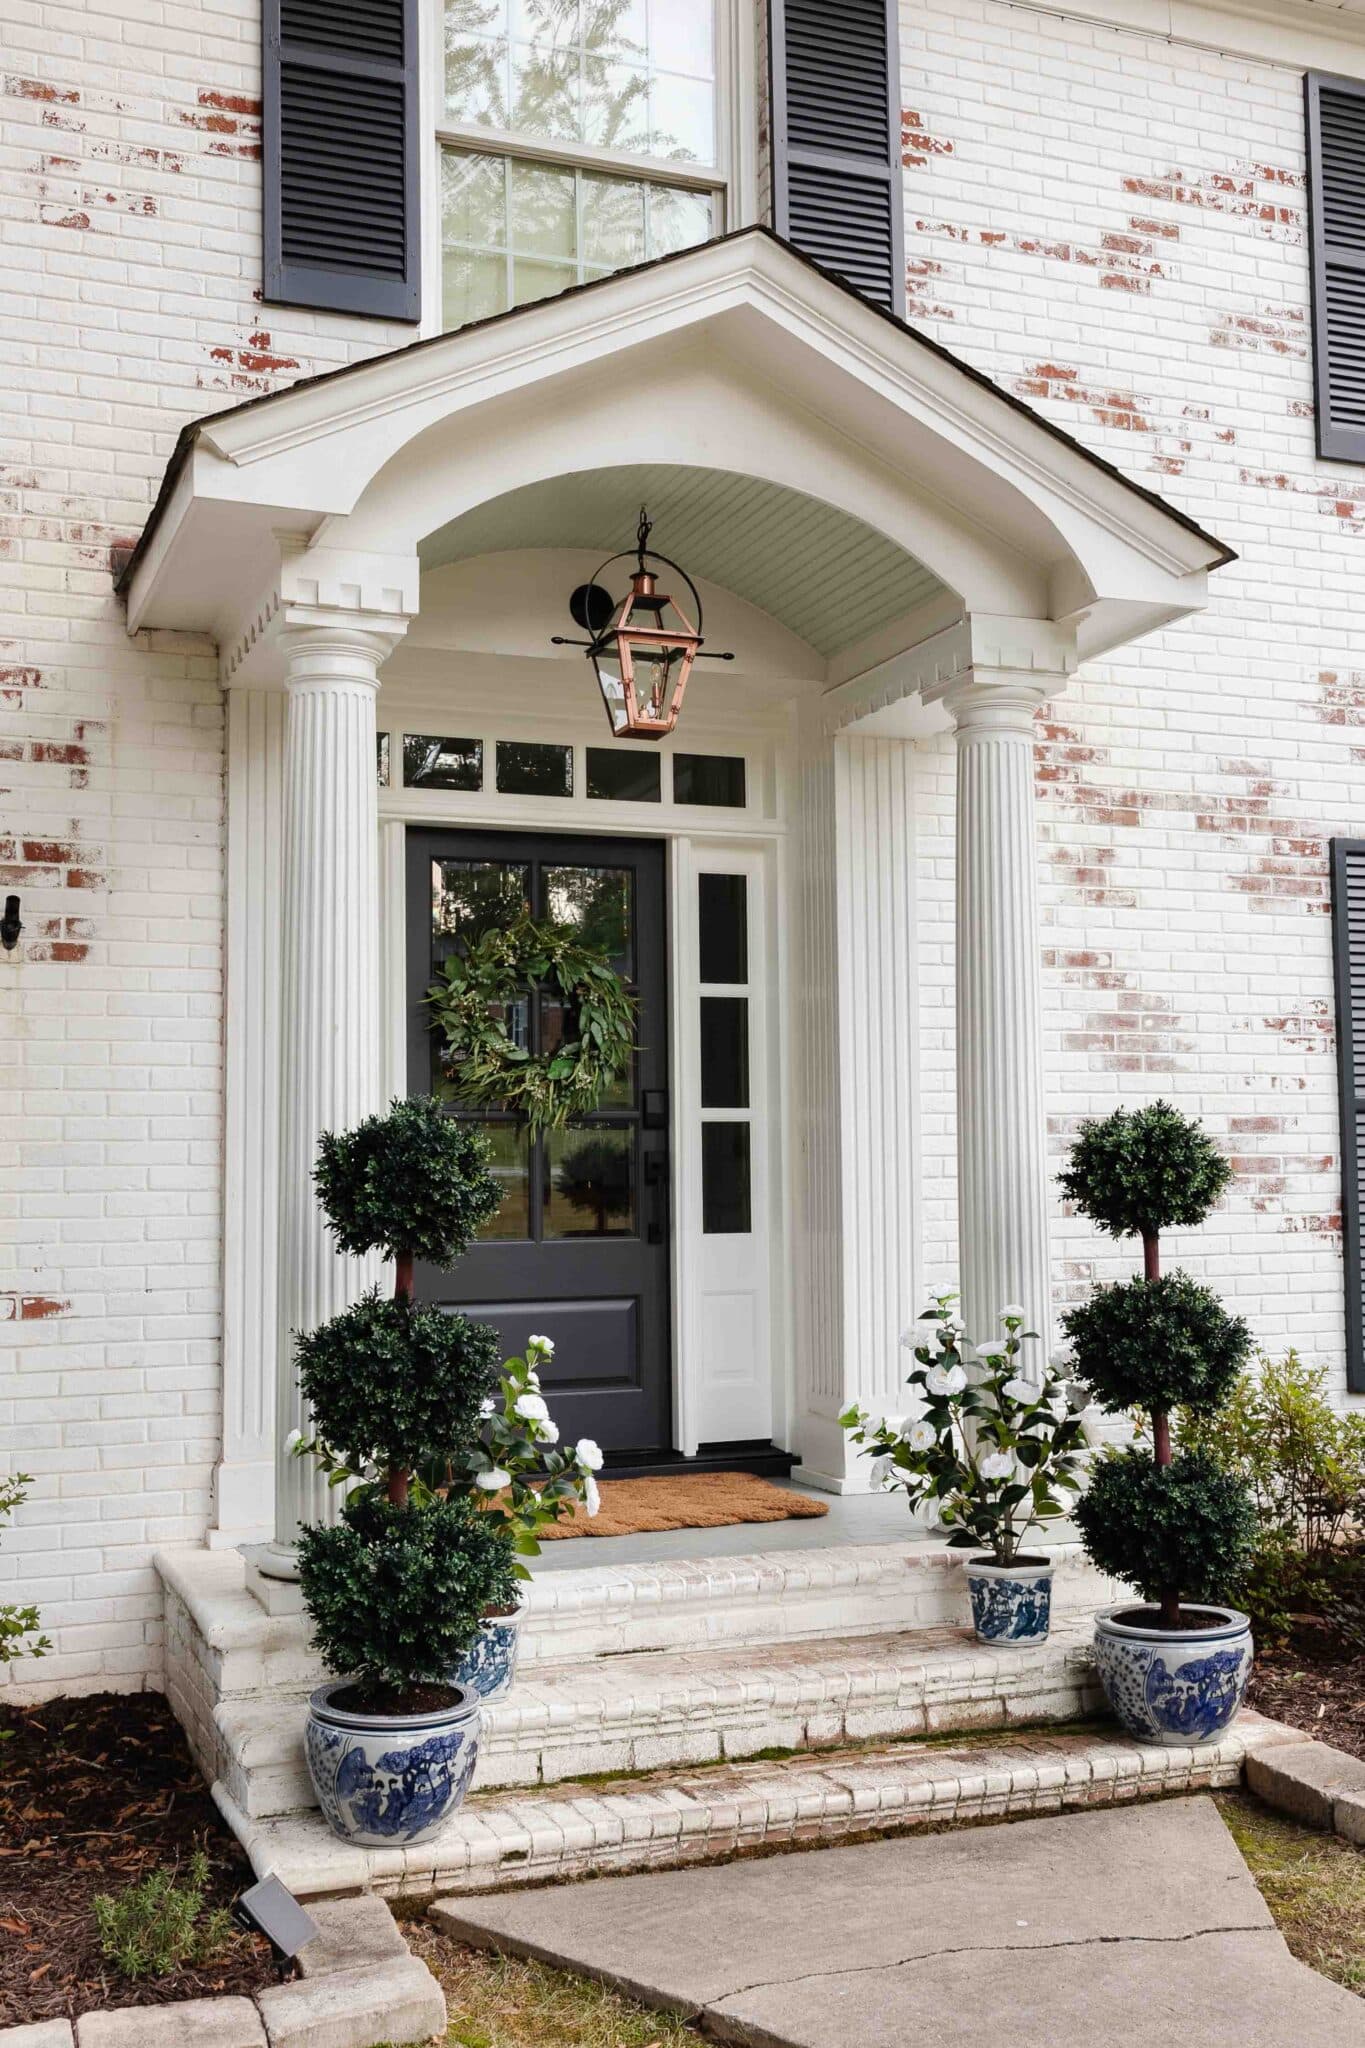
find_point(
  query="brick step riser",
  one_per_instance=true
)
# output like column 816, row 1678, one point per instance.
column 517, row 1760
column 285, row 1663
column 581, row 1830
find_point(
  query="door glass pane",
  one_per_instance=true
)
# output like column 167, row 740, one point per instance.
column 509, row 1165
column 723, row 926
column 430, row 762
column 526, row 768
column 725, row 1206
column 623, row 774
column 708, row 779
column 558, row 1022
column 725, row 1052
column 469, row 896
column 598, row 902
column 590, row 1183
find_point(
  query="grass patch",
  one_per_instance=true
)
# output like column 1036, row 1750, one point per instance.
column 1313, row 1884
column 502, row 2002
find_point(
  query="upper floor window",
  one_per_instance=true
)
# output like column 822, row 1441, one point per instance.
column 578, row 137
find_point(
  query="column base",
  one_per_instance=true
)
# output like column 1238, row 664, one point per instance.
column 276, row 1562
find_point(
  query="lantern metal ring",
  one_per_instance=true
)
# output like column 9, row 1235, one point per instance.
column 642, row 648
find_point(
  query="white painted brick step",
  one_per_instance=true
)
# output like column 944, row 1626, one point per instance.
column 215, row 1624
column 680, row 1817
column 643, row 1712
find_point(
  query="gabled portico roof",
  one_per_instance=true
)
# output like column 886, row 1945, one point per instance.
column 739, row 355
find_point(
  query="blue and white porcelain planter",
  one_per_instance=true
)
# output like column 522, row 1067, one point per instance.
column 384, row 1780
column 490, row 1663
column 1173, row 1686
column 1011, row 1603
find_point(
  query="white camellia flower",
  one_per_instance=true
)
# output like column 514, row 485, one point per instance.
column 945, row 1379
column 1011, row 1312
column 1020, row 1390
column 920, row 1436
column 544, row 1345
column 911, row 1337
column 488, row 1406
column 531, row 1408
column 592, row 1499
column 589, row 1454
column 548, row 1432
column 494, row 1481
column 993, row 1350
column 996, row 1465
column 292, row 1442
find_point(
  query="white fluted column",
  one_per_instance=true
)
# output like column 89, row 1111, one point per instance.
column 329, row 1005
column 1001, row 1118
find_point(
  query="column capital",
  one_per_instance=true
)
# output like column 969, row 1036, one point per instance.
column 996, row 700
column 323, row 648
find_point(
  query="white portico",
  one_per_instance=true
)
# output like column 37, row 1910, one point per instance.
column 890, row 546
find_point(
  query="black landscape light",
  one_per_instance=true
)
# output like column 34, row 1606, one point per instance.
column 270, row 1908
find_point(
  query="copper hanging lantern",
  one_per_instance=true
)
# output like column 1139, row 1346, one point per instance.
column 642, row 648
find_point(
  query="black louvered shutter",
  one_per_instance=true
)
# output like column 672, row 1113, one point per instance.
column 1348, row 930
column 836, row 151
column 1336, row 185
column 341, row 156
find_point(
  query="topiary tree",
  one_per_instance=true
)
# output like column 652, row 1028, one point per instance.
column 1168, row 1522
column 396, row 1591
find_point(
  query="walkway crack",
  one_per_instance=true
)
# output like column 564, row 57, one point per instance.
column 978, row 1949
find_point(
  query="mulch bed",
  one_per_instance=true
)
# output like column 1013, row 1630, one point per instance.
column 95, row 1794
column 1315, row 1682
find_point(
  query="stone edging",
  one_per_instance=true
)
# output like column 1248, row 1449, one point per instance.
column 359, row 1985
column 1312, row 1783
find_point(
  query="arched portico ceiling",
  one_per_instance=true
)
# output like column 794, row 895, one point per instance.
column 826, row 576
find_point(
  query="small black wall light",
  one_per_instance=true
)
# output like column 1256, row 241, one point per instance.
column 10, row 926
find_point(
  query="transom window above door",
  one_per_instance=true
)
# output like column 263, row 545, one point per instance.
column 578, row 137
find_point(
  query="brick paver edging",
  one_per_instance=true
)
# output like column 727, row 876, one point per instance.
column 359, row 1985
column 1313, row 1783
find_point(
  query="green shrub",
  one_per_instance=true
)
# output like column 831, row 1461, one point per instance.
column 1169, row 1525
column 1157, row 1344
column 1187, row 1524
column 18, row 1625
column 1141, row 1171
column 411, row 1181
column 1304, row 1462
column 396, row 1594
column 151, row 1928
column 394, row 1386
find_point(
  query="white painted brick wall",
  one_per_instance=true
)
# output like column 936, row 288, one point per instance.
column 1112, row 225
column 129, row 216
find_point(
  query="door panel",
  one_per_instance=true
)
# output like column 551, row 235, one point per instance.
column 579, row 1250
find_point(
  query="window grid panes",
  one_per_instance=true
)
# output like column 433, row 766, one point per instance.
column 724, row 1052
column 629, row 76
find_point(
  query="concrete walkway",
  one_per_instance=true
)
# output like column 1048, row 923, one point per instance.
column 1136, row 1926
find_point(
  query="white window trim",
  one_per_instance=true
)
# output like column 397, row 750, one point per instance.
column 733, row 178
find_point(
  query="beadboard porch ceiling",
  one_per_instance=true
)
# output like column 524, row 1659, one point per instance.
column 826, row 576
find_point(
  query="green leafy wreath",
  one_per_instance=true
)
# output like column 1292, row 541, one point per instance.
column 469, row 1004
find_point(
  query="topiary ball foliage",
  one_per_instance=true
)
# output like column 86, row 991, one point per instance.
column 411, row 1180
column 1158, row 1345
column 396, row 1386
column 1187, row 1524
column 1141, row 1171
column 396, row 1595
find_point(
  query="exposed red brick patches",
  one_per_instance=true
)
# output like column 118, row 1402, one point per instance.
column 31, row 1308
column 917, row 144
column 1129, row 1030
column 1343, row 696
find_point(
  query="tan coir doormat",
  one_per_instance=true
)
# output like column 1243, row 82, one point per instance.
column 702, row 1500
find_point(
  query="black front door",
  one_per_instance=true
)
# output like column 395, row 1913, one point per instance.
column 579, row 1250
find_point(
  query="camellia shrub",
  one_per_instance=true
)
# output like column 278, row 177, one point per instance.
column 1177, row 1524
